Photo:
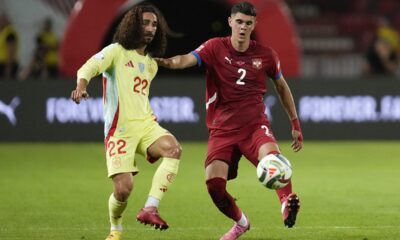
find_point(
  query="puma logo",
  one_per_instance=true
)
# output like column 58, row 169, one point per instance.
column 229, row 60
column 9, row 110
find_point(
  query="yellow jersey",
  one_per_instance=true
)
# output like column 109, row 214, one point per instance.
column 127, row 76
column 4, row 34
column 50, row 40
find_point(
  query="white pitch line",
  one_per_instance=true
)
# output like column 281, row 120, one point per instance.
column 193, row 228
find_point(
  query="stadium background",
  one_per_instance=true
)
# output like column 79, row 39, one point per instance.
column 322, row 58
column 322, row 46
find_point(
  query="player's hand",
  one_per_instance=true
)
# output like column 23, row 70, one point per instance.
column 297, row 143
column 297, row 135
column 78, row 94
column 163, row 62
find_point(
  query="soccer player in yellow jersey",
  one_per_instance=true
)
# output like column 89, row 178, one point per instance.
column 130, row 127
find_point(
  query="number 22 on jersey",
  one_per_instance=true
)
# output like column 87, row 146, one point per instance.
column 120, row 144
column 140, row 85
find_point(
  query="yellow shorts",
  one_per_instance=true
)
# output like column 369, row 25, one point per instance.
column 121, row 149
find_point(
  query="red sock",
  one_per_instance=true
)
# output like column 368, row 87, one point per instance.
column 222, row 199
column 274, row 152
column 284, row 192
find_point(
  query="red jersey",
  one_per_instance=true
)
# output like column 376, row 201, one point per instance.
column 236, row 82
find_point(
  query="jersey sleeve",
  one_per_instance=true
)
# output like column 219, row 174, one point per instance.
column 205, row 52
column 274, row 72
column 98, row 63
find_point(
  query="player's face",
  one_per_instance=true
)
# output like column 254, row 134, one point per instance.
column 242, row 26
column 149, row 26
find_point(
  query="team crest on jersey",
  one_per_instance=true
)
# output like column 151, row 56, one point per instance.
column 141, row 67
column 116, row 162
column 257, row 63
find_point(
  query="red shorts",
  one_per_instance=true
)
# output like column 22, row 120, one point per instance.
column 229, row 146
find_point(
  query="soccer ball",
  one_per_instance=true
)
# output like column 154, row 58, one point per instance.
column 274, row 171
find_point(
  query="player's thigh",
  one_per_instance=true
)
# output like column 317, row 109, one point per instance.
column 153, row 133
column 259, row 143
column 120, row 155
column 217, row 169
column 222, row 145
column 223, row 148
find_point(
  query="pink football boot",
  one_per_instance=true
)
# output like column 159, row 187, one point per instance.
column 236, row 231
column 150, row 215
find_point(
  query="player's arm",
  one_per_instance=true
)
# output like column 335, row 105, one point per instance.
column 178, row 62
column 286, row 97
column 94, row 66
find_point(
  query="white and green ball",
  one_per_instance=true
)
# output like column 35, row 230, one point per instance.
column 274, row 171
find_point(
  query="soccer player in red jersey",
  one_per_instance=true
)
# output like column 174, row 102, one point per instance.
column 236, row 69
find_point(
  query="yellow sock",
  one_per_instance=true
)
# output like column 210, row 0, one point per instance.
column 163, row 177
column 116, row 208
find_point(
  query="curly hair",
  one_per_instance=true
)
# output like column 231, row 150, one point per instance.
column 130, row 31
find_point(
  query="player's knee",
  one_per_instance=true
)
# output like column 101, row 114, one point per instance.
column 173, row 151
column 177, row 151
column 216, row 188
column 123, row 191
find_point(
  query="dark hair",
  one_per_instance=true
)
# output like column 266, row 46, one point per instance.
column 245, row 8
column 130, row 31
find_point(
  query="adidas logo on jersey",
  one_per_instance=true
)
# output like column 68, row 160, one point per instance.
column 129, row 64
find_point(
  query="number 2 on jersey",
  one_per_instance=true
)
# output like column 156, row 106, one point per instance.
column 242, row 73
column 267, row 132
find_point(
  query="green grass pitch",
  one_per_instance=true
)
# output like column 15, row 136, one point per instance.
column 349, row 190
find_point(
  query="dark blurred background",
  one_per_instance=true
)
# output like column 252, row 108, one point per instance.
column 340, row 57
column 334, row 38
